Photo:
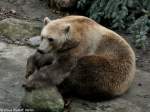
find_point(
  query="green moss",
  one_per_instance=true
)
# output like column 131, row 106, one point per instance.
column 47, row 99
column 17, row 29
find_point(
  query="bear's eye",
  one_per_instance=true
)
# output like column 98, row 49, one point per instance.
column 50, row 39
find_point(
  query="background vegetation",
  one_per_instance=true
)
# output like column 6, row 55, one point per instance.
column 132, row 16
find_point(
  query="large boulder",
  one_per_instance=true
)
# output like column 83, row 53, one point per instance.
column 46, row 100
column 16, row 29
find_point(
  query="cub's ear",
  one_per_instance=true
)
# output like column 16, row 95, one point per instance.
column 69, row 44
column 46, row 20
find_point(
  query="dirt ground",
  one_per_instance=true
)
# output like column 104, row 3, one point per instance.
column 22, row 10
column 142, row 56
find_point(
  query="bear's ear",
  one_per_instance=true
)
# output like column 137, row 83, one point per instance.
column 46, row 20
column 67, row 28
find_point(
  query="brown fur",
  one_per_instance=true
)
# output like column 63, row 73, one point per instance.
column 102, row 62
column 37, row 61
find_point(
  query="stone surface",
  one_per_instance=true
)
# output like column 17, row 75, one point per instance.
column 16, row 29
column 34, row 41
column 117, row 105
column 139, row 93
column 30, row 9
column 46, row 99
column 12, row 72
column 34, row 9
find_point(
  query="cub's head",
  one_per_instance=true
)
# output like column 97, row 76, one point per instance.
column 56, row 35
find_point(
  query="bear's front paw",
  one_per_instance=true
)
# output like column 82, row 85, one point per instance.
column 28, row 87
column 29, row 83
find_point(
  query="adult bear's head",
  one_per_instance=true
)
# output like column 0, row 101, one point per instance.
column 57, row 35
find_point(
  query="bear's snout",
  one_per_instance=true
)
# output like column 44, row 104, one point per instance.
column 40, row 51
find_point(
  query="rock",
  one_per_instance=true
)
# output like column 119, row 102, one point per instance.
column 34, row 41
column 140, row 95
column 62, row 4
column 46, row 100
column 12, row 72
column 16, row 29
column 31, row 9
column 117, row 105
column 67, row 3
column 3, row 46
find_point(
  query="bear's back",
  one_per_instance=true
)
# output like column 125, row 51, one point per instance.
column 108, row 63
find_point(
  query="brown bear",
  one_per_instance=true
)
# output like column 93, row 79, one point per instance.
column 89, row 60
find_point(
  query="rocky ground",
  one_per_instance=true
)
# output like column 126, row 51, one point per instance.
column 22, row 19
column 12, row 70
